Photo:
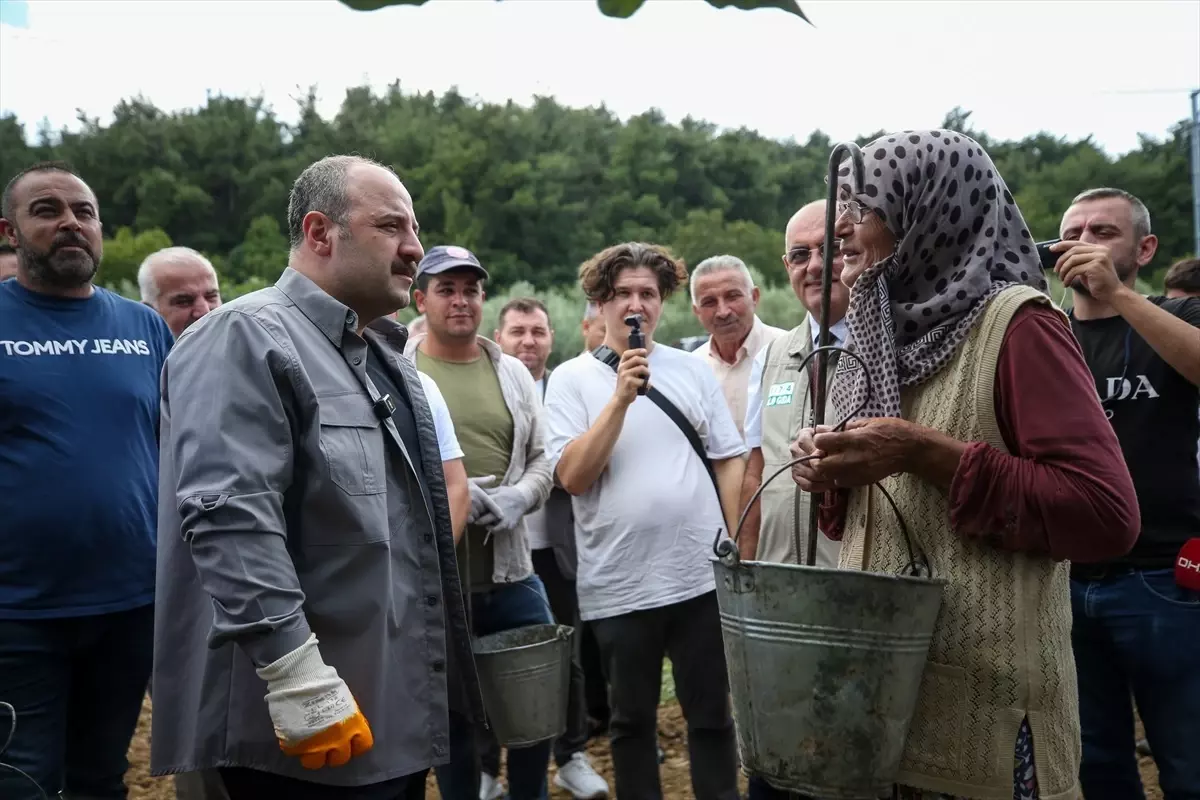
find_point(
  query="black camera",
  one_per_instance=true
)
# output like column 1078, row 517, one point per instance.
column 637, row 339
column 1047, row 258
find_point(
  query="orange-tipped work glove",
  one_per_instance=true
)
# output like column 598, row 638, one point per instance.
column 314, row 714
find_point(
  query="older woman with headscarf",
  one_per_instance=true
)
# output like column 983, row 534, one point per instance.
column 977, row 414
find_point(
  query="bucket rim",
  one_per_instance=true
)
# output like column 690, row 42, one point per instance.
column 561, row 632
column 859, row 574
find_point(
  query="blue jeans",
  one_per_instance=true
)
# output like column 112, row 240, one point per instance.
column 493, row 611
column 77, row 686
column 1137, row 632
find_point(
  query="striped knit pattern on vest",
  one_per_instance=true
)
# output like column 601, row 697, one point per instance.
column 787, row 407
column 1002, row 646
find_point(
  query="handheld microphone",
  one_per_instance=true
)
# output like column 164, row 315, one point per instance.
column 637, row 339
column 1187, row 565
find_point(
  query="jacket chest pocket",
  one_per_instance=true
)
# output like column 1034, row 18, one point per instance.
column 352, row 444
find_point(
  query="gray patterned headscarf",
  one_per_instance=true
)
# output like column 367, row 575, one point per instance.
column 960, row 240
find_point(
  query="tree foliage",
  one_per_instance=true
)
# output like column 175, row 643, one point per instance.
column 533, row 190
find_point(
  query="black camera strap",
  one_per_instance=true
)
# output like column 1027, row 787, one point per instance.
column 609, row 356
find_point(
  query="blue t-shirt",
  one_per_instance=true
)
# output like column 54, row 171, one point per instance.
column 79, row 405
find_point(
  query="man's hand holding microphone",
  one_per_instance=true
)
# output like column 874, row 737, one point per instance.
column 633, row 371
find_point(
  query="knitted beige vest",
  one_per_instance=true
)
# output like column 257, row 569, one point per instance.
column 1002, row 646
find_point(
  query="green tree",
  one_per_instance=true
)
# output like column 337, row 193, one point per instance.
column 124, row 253
column 262, row 254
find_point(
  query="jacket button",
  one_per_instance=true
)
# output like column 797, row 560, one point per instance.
column 438, row 750
column 429, row 537
column 357, row 361
column 439, row 666
column 431, row 600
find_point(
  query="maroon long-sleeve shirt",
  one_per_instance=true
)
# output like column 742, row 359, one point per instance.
column 1065, row 489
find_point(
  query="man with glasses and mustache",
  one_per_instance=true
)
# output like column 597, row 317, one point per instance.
column 79, row 369
column 780, row 399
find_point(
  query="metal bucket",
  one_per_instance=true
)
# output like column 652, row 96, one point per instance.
column 824, row 668
column 523, row 674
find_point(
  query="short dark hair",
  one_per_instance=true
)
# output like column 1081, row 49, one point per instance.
column 523, row 305
column 598, row 274
column 322, row 187
column 6, row 209
column 1138, row 210
column 1184, row 275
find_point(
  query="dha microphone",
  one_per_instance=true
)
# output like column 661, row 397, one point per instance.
column 1187, row 565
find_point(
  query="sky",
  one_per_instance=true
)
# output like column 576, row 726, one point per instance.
column 1106, row 68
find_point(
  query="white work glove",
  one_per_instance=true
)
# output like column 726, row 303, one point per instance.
column 510, row 505
column 481, row 502
column 314, row 714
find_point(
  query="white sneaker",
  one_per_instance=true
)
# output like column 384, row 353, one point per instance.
column 579, row 778
column 490, row 787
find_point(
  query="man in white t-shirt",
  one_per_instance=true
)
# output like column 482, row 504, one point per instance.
column 647, row 514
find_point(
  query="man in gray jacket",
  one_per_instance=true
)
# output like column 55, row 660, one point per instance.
column 310, row 630
column 498, row 420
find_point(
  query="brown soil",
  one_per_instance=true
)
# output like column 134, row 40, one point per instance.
column 676, row 782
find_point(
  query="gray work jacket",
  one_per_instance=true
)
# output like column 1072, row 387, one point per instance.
column 286, row 507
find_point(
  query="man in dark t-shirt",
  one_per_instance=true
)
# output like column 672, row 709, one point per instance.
column 1136, row 631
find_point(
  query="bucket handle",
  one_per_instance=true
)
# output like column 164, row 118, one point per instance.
column 540, row 595
column 726, row 550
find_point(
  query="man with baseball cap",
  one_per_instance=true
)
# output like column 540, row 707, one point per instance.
column 496, row 410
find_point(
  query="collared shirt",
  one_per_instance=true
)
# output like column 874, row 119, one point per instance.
column 735, row 378
column 754, row 402
column 288, row 508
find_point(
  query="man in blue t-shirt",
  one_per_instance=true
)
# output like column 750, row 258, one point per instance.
column 79, row 371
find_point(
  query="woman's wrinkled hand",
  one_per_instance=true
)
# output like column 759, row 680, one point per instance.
column 807, row 474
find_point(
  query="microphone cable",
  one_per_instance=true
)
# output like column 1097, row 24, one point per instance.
column 12, row 731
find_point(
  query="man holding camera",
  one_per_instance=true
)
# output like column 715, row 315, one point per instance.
column 1136, row 628
column 647, row 511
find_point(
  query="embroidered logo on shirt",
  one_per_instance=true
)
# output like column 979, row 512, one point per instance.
column 780, row 394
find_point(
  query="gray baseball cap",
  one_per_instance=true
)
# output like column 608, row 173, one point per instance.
column 444, row 258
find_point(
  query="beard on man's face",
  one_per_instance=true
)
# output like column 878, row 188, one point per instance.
column 59, row 267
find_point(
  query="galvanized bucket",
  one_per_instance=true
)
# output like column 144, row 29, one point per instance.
column 523, row 674
column 824, row 669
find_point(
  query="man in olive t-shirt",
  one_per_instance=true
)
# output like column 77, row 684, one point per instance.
column 485, row 434
column 497, row 416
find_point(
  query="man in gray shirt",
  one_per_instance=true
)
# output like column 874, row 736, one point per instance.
column 308, row 602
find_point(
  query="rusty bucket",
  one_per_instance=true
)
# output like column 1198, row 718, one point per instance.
column 824, row 668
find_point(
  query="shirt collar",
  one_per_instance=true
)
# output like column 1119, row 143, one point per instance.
column 749, row 347
column 839, row 332
column 330, row 316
